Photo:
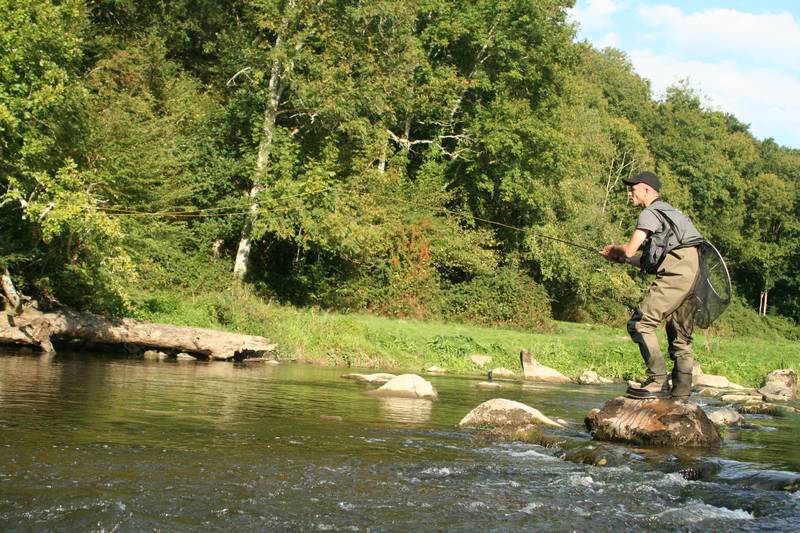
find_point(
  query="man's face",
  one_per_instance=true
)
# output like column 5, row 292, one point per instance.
column 637, row 194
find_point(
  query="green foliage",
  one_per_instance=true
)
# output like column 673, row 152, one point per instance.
column 414, row 158
column 409, row 345
column 741, row 320
column 504, row 297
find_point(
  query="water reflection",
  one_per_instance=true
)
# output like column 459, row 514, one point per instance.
column 92, row 442
column 407, row 410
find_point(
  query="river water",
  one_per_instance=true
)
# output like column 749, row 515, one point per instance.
column 96, row 443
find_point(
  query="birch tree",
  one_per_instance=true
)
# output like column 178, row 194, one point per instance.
column 279, row 72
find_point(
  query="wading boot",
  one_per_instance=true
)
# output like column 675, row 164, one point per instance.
column 681, row 384
column 652, row 388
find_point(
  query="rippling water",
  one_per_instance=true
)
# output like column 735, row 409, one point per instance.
column 92, row 443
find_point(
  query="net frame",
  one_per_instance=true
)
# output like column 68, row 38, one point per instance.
column 713, row 290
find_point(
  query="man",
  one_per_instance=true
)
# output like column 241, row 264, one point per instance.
column 669, row 243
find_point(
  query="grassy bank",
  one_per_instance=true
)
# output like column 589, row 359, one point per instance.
column 361, row 341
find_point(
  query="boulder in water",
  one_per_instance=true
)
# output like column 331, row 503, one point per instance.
column 380, row 378
column 780, row 385
column 764, row 408
column 512, row 421
column 716, row 382
column 535, row 371
column 501, row 412
column 726, row 417
column 739, row 398
column 590, row 377
column 501, row 372
column 657, row 422
column 154, row 355
column 407, row 386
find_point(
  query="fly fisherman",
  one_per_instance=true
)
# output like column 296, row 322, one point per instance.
column 669, row 243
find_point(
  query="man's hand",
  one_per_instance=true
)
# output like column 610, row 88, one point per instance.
column 615, row 253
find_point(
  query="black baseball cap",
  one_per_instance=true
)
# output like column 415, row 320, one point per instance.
column 644, row 177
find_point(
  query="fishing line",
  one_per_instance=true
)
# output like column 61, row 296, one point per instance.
column 244, row 210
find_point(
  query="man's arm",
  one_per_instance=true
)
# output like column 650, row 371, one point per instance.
column 622, row 253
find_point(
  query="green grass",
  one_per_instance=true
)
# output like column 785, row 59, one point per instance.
column 364, row 341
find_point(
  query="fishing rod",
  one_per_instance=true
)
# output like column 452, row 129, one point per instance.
column 564, row 241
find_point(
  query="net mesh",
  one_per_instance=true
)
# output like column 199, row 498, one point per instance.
column 713, row 291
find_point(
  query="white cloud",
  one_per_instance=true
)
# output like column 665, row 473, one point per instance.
column 763, row 38
column 764, row 97
column 745, row 63
column 598, row 13
column 610, row 39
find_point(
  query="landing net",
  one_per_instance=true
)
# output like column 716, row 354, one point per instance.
column 713, row 291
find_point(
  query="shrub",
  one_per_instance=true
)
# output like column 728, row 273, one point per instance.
column 503, row 297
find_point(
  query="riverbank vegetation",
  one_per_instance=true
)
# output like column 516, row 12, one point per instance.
column 390, row 344
column 396, row 159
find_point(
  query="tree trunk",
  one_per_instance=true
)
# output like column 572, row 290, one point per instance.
column 275, row 90
column 13, row 299
column 35, row 328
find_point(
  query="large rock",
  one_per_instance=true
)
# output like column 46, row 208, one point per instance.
column 535, row 371
column 407, row 386
column 653, row 423
column 501, row 412
column 781, row 385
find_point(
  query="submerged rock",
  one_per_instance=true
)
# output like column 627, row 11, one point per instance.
column 488, row 385
column 379, row 378
column 764, row 408
column 657, row 422
column 766, row 480
column 501, row 372
column 154, row 355
column 598, row 454
column 780, row 385
column 701, row 471
column 590, row 377
column 726, row 417
column 530, row 433
column 535, row 371
column 407, row 386
column 738, row 398
column 499, row 412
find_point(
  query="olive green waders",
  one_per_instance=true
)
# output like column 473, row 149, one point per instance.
column 670, row 297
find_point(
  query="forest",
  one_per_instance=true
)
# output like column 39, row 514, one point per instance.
column 407, row 159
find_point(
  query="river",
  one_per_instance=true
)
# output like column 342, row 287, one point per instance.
column 91, row 442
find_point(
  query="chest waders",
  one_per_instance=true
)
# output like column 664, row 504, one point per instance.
column 669, row 298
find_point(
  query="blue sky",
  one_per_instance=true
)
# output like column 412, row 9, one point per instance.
column 742, row 57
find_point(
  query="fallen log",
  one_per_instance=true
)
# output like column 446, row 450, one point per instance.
column 35, row 328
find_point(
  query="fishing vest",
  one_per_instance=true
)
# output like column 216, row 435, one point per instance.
column 677, row 231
